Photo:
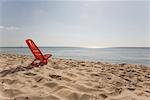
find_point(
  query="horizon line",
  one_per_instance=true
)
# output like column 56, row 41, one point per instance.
column 75, row 47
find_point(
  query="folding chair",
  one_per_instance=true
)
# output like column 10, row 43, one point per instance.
column 38, row 54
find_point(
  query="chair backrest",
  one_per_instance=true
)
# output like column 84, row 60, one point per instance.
column 34, row 49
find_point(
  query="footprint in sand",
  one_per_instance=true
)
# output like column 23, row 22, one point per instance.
column 58, row 77
column 117, row 83
column 73, row 96
column 125, row 98
column 94, row 74
column 67, row 94
column 59, row 88
column 103, row 96
column 10, row 93
column 84, row 88
column 51, row 84
column 71, row 75
column 115, row 91
column 30, row 74
column 131, row 88
column 87, row 97
column 41, row 79
column 8, row 81
column 50, row 97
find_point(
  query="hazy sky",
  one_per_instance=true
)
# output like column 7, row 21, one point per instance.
column 75, row 23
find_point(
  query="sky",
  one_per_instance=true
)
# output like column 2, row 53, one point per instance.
column 81, row 23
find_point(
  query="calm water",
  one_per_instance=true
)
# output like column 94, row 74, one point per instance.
column 112, row 55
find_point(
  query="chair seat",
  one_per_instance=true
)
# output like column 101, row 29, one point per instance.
column 46, row 56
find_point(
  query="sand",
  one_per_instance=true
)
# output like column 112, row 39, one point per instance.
column 67, row 79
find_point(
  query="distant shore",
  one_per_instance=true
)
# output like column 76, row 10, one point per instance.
column 67, row 79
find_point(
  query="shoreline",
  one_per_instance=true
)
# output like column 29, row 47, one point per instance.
column 76, row 59
column 68, row 79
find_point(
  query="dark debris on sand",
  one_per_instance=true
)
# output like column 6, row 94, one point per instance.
column 14, row 70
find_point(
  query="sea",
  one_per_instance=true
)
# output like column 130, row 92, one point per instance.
column 115, row 55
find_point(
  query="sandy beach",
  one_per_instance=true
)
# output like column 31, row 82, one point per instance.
column 67, row 79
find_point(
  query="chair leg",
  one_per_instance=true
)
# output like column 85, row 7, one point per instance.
column 33, row 64
column 43, row 62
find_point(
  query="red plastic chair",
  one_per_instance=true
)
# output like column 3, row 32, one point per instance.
column 37, row 53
